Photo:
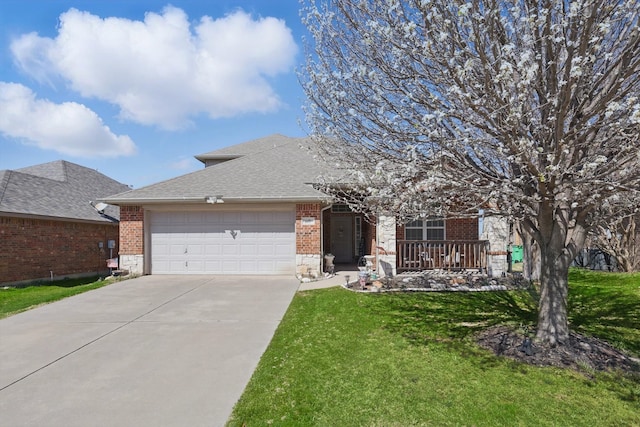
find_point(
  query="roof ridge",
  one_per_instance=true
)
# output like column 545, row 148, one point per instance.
column 37, row 171
column 272, row 147
column 238, row 150
column 61, row 189
column 65, row 171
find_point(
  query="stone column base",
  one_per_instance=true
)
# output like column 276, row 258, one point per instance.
column 134, row 264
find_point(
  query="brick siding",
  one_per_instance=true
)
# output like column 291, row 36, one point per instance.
column 462, row 229
column 131, row 230
column 308, row 236
column 33, row 248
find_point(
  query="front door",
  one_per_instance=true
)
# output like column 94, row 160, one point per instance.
column 342, row 238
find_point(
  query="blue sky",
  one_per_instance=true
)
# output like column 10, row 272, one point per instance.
column 135, row 89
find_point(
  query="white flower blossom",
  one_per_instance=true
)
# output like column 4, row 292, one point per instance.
column 537, row 107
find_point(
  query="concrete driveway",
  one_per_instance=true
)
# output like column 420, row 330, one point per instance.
column 151, row 351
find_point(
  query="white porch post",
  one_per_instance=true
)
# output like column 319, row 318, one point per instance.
column 386, row 242
column 496, row 231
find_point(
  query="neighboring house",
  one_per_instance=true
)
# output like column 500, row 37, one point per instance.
column 49, row 227
column 253, row 209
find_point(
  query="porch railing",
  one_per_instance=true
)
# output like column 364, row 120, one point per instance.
column 416, row 255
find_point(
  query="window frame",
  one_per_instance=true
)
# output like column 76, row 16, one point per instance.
column 425, row 226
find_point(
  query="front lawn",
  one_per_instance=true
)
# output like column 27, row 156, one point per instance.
column 15, row 300
column 346, row 359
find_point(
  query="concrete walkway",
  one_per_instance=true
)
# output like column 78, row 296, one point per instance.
column 348, row 274
column 151, row 351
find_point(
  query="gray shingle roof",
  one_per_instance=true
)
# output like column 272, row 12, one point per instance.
column 57, row 189
column 274, row 168
column 246, row 148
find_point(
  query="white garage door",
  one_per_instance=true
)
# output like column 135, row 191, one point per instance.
column 223, row 242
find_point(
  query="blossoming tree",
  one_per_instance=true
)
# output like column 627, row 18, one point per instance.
column 528, row 109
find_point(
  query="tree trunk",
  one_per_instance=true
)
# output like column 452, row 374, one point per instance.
column 559, row 237
column 553, row 324
column 531, row 259
column 623, row 261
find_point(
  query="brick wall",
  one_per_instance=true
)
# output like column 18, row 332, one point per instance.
column 131, row 230
column 308, row 236
column 369, row 234
column 33, row 248
column 462, row 229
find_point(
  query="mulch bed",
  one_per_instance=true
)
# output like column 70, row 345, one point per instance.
column 580, row 353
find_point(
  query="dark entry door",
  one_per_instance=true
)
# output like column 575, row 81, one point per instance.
column 342, row 238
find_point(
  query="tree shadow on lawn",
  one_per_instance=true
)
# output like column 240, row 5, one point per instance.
column 64, row 283
column 612, row 316
column 454, row 319
column 456, row 315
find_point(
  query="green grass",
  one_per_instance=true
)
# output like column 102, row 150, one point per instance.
column 347, row 359
column 606, row 305
column 16, row 300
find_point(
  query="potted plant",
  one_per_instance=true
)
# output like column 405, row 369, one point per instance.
column 328, row 262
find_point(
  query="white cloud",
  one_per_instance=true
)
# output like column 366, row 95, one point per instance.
column 68, row 128
column 162, row 71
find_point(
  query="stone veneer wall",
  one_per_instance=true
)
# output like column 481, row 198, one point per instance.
column 386, row 234
column 496, row 231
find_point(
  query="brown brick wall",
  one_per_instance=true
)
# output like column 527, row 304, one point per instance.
column 131, row 230
column 33, row 248
column 369, row 234
column 308, row 236
column 462, row 229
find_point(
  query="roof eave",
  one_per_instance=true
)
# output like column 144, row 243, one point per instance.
column 151, row 200
column 105, row 221
column 204, row 157
column 203, row 200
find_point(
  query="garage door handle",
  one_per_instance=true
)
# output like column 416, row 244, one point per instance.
column 186, row 250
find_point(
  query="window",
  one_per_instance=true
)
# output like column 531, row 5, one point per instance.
column 357, row 235
column 432, row 229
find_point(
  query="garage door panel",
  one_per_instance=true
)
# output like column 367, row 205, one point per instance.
column 213, row 265
column 223, row 242
column 177, row 265
column 246, row 250
column 195, row 266
column 195, row 249
column 211, row 250
column 265, row 250
column 281, row 250
column 230, row 266
column 229, row 250
column 273, row 228
column 176, row 250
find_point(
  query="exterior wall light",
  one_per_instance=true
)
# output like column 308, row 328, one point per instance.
column 213, row 199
